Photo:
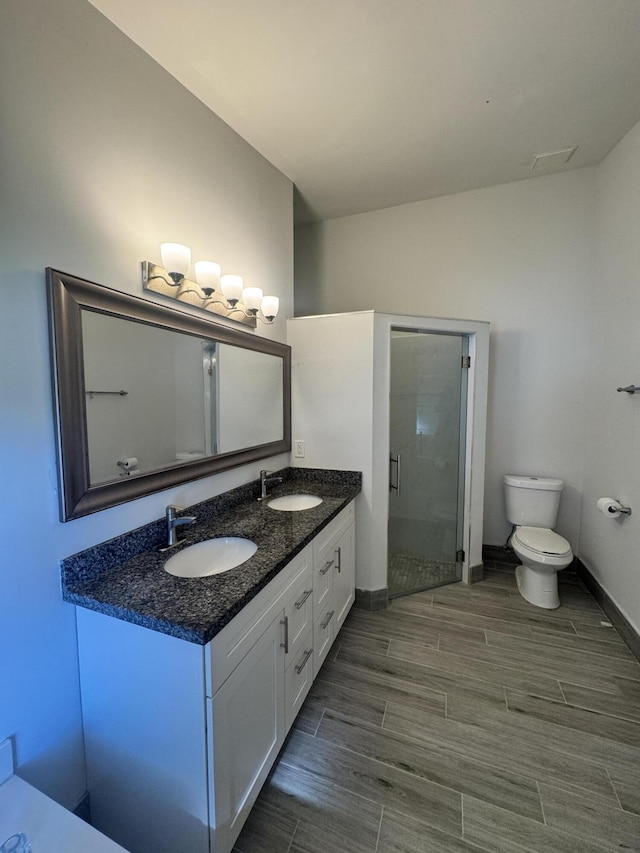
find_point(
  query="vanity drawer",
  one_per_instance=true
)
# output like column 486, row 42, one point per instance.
column 323, row 573
column 299, row 611
column 323, row 636
column 332, row 531
column 325, row 557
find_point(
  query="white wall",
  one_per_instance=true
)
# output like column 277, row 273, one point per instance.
column 518, row 255
column 610, row 548
column 332, row 393
column 103, row 157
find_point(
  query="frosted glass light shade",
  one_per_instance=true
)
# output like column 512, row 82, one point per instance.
column 207, row 275
column 252, row 298
column 231, row 287
column 175, row 259
column 269, row 307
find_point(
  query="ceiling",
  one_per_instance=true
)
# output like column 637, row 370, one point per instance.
column 366, row 104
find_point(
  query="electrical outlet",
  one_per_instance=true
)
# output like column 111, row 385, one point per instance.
column 298, row 449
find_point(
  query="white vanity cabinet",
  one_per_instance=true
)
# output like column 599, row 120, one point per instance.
column 246, row 719
column 249, row 709
column 180, row 737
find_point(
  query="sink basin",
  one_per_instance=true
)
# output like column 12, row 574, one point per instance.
column 294, row 503
column 211, row 557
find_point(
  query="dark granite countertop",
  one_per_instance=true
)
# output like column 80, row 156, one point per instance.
column 125, row 578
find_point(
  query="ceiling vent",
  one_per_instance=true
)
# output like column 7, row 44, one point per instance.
column 553, row 159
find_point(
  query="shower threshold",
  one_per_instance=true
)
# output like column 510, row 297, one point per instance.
column 408, row 574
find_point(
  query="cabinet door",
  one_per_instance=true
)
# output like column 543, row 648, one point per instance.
column 344, row 576
column 247, row 728
column 323, row 578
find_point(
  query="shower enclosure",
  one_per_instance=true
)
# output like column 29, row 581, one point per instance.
column 427, row 414
column 341, row 381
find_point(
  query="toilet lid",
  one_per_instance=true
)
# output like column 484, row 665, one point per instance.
column 543, row 541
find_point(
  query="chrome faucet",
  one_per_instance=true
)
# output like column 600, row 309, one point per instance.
column 173, row 522
column 266, row 477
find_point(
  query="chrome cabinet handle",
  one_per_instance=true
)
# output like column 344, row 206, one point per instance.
column 303, row 662
column 326, row 567
column 339, row 555
column 394, row 461
column 285, row 645
column 327, row 619
column 305, row 595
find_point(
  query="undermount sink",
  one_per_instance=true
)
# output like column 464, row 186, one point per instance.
column 294, row 503
column 211, row 557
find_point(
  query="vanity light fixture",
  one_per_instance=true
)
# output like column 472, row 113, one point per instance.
column 207, row 276
column 269, row 308
column 224, row 295
column 176, row 259
column 252, row 298
column 232, row 286
column 266, row 305
column 253, row 303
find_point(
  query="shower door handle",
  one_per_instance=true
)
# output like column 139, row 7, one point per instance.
column 394, row 461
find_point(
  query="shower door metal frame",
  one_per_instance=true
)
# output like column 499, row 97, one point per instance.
column 459, row 556
column 477, row 332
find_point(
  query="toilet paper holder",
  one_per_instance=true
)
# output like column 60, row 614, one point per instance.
column 630, row 389
column 129, row 466
column 612, row 508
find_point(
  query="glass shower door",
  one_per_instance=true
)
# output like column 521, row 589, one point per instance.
column 427, row 452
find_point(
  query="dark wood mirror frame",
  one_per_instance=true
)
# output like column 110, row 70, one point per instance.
column 67, row 296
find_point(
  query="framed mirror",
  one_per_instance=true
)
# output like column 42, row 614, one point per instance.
column 147, row 397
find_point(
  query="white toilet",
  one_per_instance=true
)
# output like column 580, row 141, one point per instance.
column 532, row 506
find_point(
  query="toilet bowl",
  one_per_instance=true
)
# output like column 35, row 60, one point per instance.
column 543, row 554
column 532, row 507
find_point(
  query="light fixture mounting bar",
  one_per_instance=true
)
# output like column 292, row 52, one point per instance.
column 156, row 279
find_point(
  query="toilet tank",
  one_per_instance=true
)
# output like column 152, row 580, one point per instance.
column 532, row 501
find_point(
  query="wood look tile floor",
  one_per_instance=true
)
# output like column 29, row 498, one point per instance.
column 463, row 719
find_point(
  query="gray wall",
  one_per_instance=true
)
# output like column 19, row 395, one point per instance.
column 612, row 447
column 103, row 156
column 518, row 255
column 553, row 264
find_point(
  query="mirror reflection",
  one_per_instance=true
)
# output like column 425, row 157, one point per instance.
column 157, row 398
column 147, row 397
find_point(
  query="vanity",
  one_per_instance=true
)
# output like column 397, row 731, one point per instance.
column 190, row 685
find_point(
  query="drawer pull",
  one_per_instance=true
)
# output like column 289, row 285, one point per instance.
column 285, row 645
column 305, row 595
column 327, row 619
column 326, row 567
column 339, row 556
column 303, row 662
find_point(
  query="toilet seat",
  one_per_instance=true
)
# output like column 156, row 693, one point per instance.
column 541, row 540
